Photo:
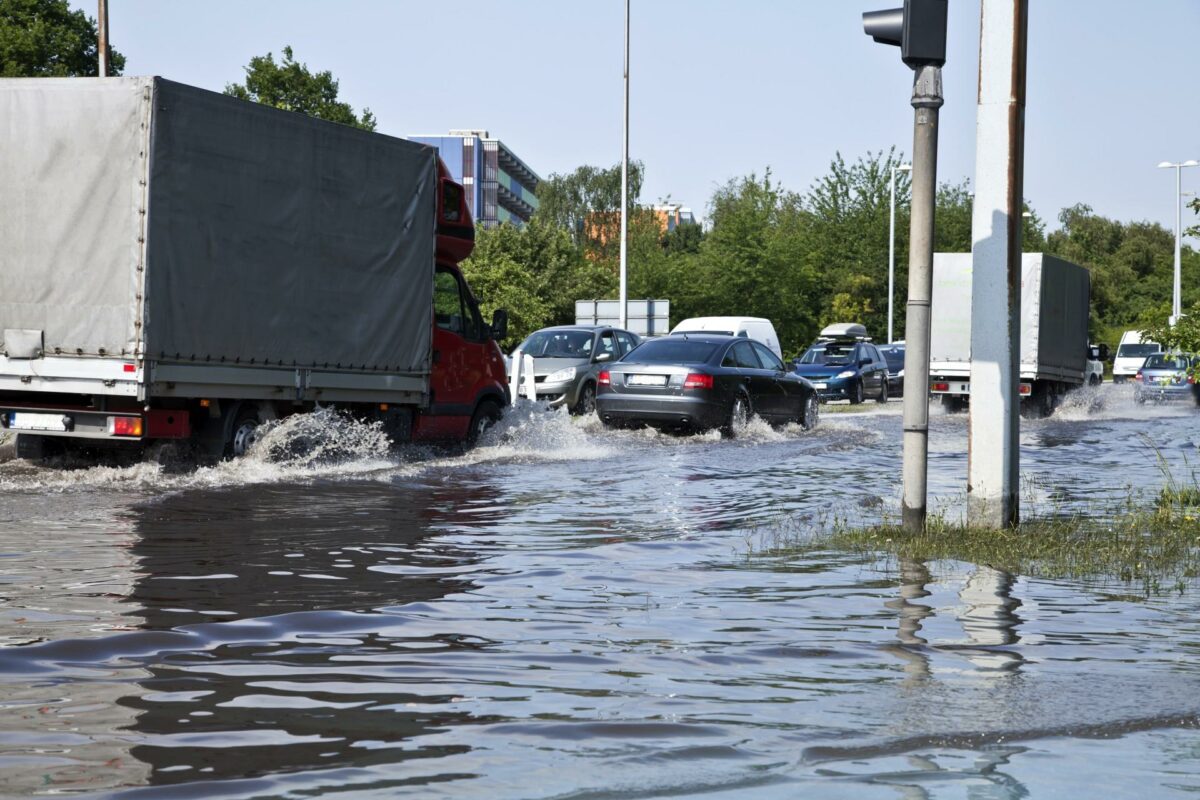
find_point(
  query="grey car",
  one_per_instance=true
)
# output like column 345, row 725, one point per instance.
column 567, row 358
column 1164, row 377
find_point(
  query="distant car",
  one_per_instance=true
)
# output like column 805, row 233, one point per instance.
column 755, row 328
column 566, row 359
column 1131, row 353
column 893, row 354
column 698, row 381
column 1164, row 378
column 842, row 365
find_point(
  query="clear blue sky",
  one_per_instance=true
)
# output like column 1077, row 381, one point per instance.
column 719, row 89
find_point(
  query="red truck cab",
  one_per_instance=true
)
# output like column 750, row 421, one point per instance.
column 468, row 384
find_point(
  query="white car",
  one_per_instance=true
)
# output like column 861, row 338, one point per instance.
column 757, row 328
column 1131, row 354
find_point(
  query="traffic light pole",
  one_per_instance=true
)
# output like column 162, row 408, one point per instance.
column 926, row 100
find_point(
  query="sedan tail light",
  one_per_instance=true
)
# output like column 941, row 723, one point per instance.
column 604, row 379
column 698, row 380
column 1138, row 377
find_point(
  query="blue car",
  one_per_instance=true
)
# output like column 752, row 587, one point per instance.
column 845, row 369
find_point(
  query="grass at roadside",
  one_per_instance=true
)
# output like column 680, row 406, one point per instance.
column 1152, row 543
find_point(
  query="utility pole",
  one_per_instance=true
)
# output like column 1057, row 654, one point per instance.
column 919, row 29
column 994, row 454
column 102, row 26
column 1176, row 299
column 625, row 182
column 892, row 249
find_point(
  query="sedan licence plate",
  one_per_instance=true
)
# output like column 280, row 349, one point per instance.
column 819, row 386
column 24, row 421
column 646, row 380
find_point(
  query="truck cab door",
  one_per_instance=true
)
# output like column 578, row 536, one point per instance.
column 458, row 348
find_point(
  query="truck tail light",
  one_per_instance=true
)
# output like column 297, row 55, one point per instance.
column 604, row 379
column 940, row 387
column 125, row 426
column 1026, row 389
column 698, row 380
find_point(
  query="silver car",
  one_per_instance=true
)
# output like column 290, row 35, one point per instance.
column 1163, row 377
column 567, row 358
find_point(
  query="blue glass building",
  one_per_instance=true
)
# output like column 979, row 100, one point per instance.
column 500, row 186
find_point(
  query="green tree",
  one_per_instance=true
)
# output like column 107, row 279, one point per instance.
column 46, row 39
column 587, row 203
column 535, row 272
column 1131, row 265
column 291, row 86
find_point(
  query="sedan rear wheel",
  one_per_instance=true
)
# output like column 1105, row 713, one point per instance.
column 739, row 415
column 811, row 414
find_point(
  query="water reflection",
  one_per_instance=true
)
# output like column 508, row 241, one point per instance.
column 321, row 631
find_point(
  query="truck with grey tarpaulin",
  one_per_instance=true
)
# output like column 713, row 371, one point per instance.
column 181, row 266
column 1055, row 297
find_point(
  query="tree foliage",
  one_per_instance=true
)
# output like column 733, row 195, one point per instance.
column 291, row 86
column 46, row 39
column 587, row 202
column 1132, row 268
column 803, row 260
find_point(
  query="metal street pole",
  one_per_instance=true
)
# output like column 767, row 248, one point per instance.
column 625, row 180
column 892, row 248
column 1176, row 298
column 926, row 100
column 993, row 460
column 102, row 29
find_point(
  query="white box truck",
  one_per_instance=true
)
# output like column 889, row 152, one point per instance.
column 1055, row 297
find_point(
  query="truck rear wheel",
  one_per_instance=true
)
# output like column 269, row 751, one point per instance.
column 244, row 432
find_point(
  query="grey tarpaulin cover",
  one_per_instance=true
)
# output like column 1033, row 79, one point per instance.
column 269, row 236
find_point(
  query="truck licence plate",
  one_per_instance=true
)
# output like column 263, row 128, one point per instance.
column 646, row 380
column 25, row 421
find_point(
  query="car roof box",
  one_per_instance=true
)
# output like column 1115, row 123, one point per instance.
column 844, row 330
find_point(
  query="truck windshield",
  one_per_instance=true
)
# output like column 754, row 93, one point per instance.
column 671, row 350
column 558, row 344
column 1134, row 350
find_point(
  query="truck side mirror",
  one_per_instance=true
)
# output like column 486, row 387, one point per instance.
column 499, row 324
column 1104, row 352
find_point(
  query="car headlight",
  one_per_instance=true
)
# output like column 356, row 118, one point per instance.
column 562, row 375
column 849, row 373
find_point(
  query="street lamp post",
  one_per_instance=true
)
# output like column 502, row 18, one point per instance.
column 892, row 246
column 1176, row 300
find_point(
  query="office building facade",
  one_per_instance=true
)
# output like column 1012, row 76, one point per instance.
column 500, row 186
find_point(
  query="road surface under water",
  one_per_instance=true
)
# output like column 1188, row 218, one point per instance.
column 569, row 612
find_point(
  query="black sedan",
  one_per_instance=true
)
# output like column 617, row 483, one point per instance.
column 702, row 381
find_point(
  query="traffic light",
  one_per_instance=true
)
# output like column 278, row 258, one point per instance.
column 918, row 29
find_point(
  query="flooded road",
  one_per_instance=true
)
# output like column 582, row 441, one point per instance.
column 569, row 612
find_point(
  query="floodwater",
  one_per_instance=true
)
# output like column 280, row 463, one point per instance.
column 571, row 613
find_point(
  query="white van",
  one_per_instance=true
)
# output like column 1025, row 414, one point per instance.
column 1131, row 354
column 756, row 328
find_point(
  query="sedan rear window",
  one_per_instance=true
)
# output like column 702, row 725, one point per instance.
column 1167, row 362
column 672, row 350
